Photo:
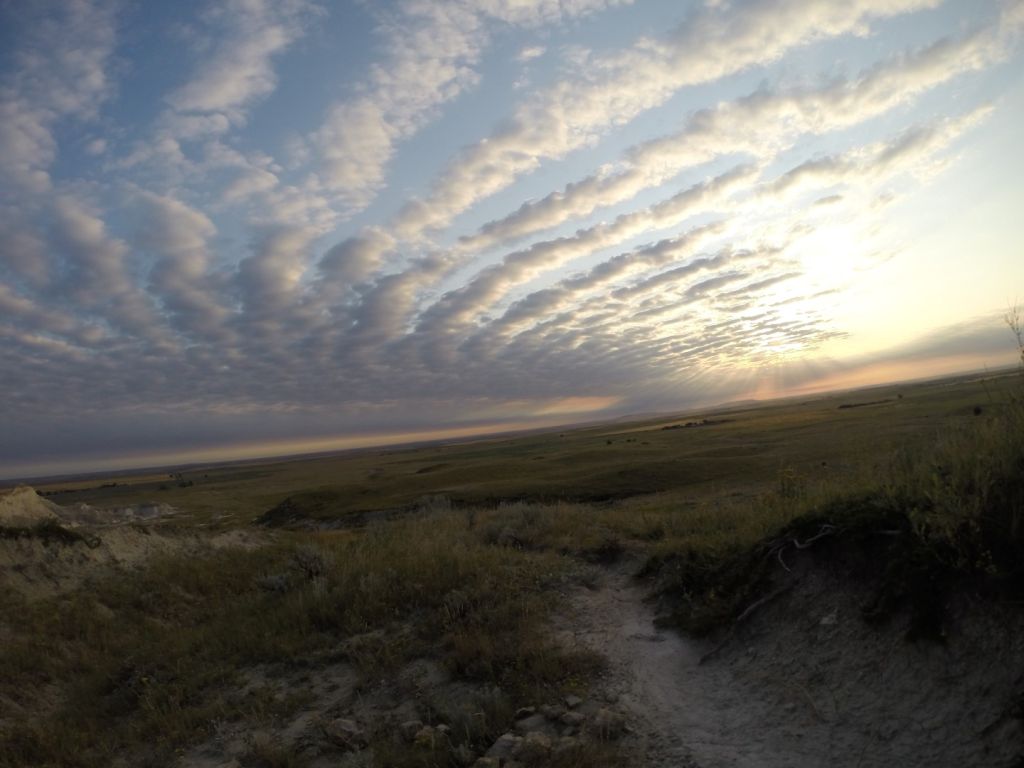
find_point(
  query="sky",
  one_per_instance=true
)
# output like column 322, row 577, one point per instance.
column 256, row 227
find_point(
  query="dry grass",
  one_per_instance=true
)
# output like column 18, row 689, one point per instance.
column 146, row 664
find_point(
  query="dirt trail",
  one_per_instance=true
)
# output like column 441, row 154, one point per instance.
column 683, row 714
column 805, row 685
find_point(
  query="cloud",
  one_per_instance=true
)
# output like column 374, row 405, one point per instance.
column 545, row 256
column 62, row 60
column 96, row 273
column 530, row 53
column 182, row 278
column 23, row 250
column 913, row 151
column 433, row 50
column 612, row 90
column 96, row 147
column 249, row 182
column 249, row 34
column 761, row 125
column 236, row 44
column 269, row 278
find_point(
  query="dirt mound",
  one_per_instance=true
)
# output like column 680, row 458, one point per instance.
column 50, row 559
column 22, row 507
column 40, row 565
column 869, row 541
column 848, row 638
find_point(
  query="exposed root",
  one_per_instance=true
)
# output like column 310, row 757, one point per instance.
column 743, row 617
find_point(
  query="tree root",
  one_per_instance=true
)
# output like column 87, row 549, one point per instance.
column 747, row 612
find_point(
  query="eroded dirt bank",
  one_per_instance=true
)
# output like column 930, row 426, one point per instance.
column 805, row 682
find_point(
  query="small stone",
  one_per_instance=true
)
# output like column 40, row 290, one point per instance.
column 426, row 737
column 830, row 619
column 525, row 712
column 463, row 755
column 611, row 697
column 608, row 724
column 409, row 729
column 535, row 748
column 345, row 733
column 573, row 701
column 505, row 747
column 574, row 719
column 552, row 711
column 443, row 730
column 531, row 723
column 565, row 744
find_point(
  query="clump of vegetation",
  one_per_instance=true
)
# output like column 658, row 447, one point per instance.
column 48, row 532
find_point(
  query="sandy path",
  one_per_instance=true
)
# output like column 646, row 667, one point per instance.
column 804, row 688
column 683, row 714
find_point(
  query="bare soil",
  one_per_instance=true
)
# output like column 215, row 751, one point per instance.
column 805, row 682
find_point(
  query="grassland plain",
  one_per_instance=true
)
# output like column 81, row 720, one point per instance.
column 480, row 544
column 746, row 450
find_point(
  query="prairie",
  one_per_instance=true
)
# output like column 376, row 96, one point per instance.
column 417, row 606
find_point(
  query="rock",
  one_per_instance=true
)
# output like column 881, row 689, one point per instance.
column 608, row 725
column 531, row 723
column 565, row 744
column 487, row 762
column 345, row 733
column 409, row 729
column 427, row 737
column 588, row 708
column 535, row 749
column 525, row 712
column 505, row 747
column 362, row 759
column 552, row 711
column 573, row 701
column 574, row 719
